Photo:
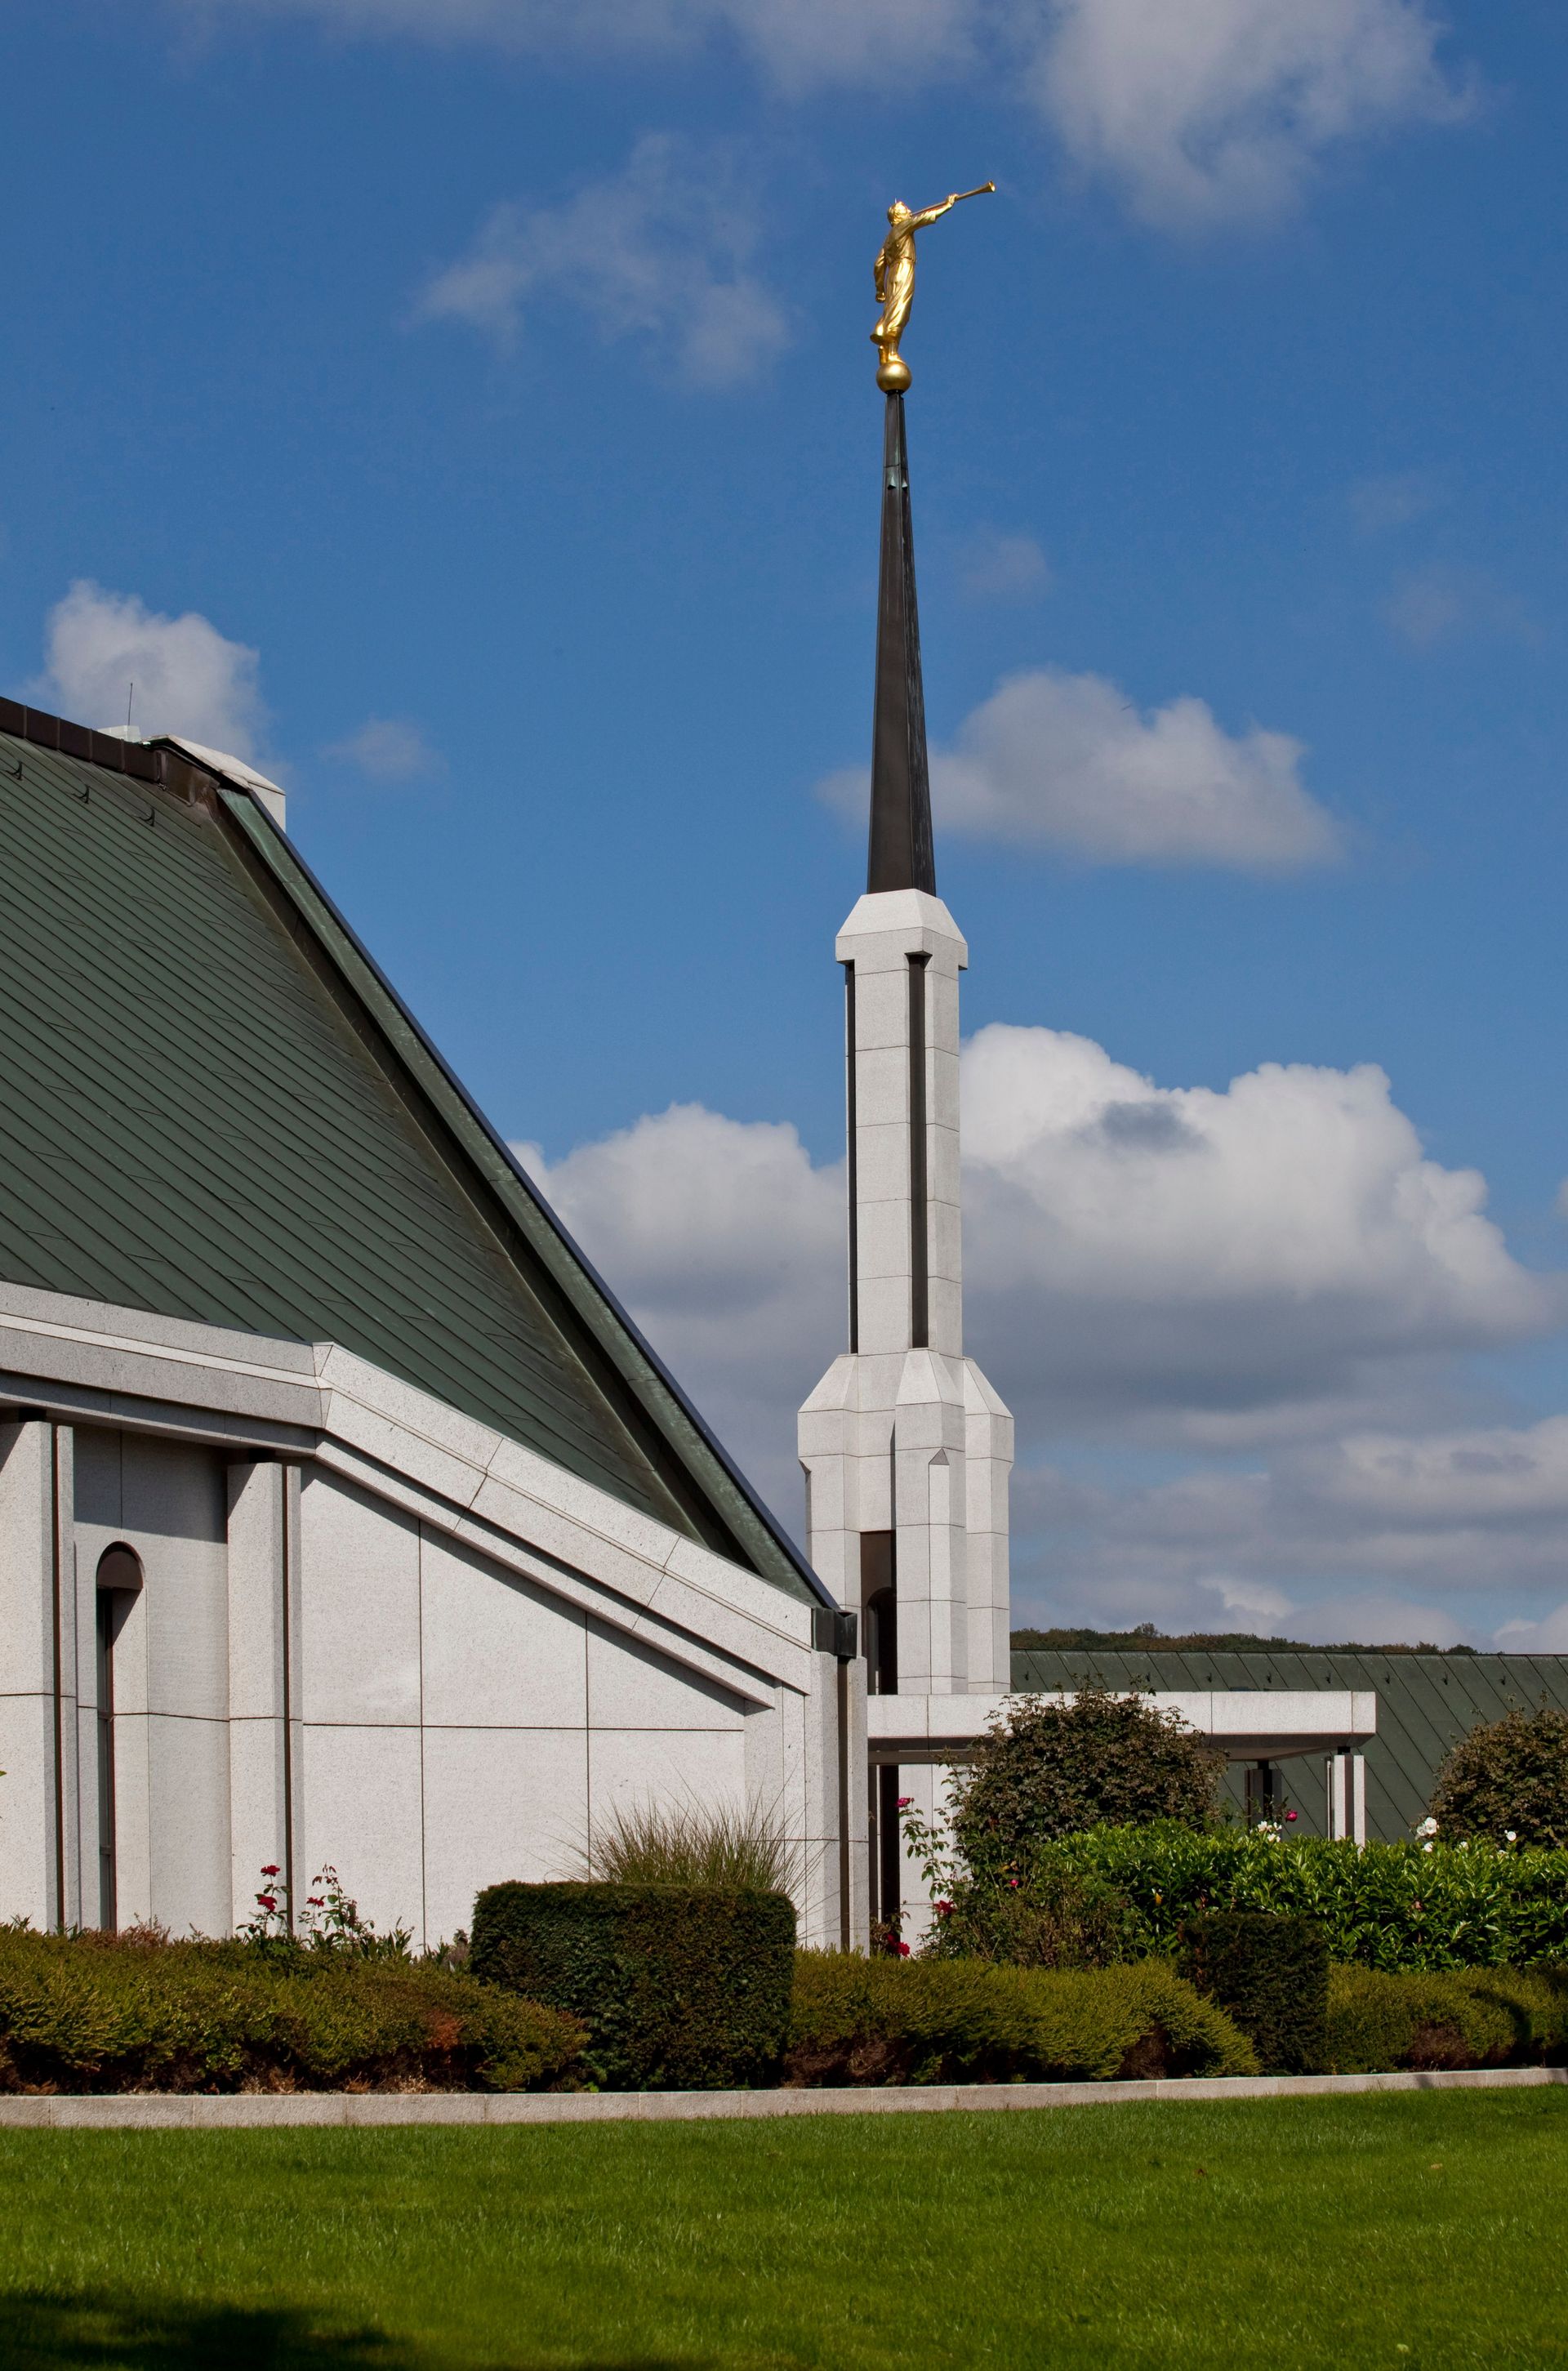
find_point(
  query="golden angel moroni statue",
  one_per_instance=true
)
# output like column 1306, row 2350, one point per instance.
column 894, row 277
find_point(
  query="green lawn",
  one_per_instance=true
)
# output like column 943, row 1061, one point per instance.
column 1414, row 2230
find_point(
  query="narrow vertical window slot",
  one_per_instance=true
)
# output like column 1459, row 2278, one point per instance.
column 852, row 1152
column 119, row 1582
column 919, row 1265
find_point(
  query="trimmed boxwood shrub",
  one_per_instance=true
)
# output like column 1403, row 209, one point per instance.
column 138, row 2013
column 886, row 2021
column 1271, row 1974
column 680, row 1987
column 1465, row 2016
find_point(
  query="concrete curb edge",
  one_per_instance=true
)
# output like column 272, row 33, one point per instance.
column 257, row 2111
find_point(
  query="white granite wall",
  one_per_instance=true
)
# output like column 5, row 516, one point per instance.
column 460, row 1726
column 311, row 1673
column 171, row 1680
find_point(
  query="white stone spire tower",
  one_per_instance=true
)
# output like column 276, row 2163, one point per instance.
column 907, row 1449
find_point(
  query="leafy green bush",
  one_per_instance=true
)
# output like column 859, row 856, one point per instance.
column 1050, row 1766
column 1386, row 1906
column 1466, row 2016
column 1509, row 1778
column 680, row 1987
column 886, row 2021
column 1271, row 1976
column 137, row 2013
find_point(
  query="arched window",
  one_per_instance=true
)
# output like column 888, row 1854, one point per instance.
column 119, row 1582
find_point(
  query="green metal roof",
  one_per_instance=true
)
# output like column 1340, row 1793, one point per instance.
column 1426, row 1703
column 212, row 1106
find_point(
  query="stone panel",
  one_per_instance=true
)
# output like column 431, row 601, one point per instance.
column 498, row 1653
column 360, row 1606
column 499, row 1803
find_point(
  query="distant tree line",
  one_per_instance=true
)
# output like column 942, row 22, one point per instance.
column 1147, row 1638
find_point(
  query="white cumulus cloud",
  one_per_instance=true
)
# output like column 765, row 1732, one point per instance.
column 660, row 251
column 728, row 1246
column 1275, row 1273
column 801, row 44
column 1369, row 1534
column 1134, row 1247
column 1549, row 1635
column 1198, row 111
column 1212, row 111
column 996, row 566
column 1066, row 761
column 188, row 678
column 388, row 750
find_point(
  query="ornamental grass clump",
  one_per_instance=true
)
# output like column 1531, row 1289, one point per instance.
column 890, row 2020
column 137, row 2012
column 734, row 1851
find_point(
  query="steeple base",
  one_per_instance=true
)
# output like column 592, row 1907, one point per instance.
column 908, row 1458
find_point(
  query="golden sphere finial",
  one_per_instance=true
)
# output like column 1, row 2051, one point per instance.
column 892, row 375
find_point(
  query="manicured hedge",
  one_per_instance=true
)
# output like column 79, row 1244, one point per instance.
column 1270, row 1975
column 887, row 2021
column 1466, row 2016
column 680, row 1987
column 1387, row 1905
column 138, row 2013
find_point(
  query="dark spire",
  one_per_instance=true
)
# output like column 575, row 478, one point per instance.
column 901, row 791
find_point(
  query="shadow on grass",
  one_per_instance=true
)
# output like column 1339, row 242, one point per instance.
column 41, row 2329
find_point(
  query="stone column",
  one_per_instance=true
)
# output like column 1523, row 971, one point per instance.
column 30, row 1729
column 259, row 1576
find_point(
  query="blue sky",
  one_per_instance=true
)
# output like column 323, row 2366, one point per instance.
column 497, row 376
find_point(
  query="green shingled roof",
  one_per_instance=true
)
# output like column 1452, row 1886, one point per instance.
column 1426, row 1703
column 212, row 1106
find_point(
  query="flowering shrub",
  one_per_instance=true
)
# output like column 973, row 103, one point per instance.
column 327, row 1920
column 1507, row 1778
column 1424, row 1904
column 1050, row 1767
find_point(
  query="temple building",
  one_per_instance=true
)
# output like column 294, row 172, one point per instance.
column 344, row 1515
